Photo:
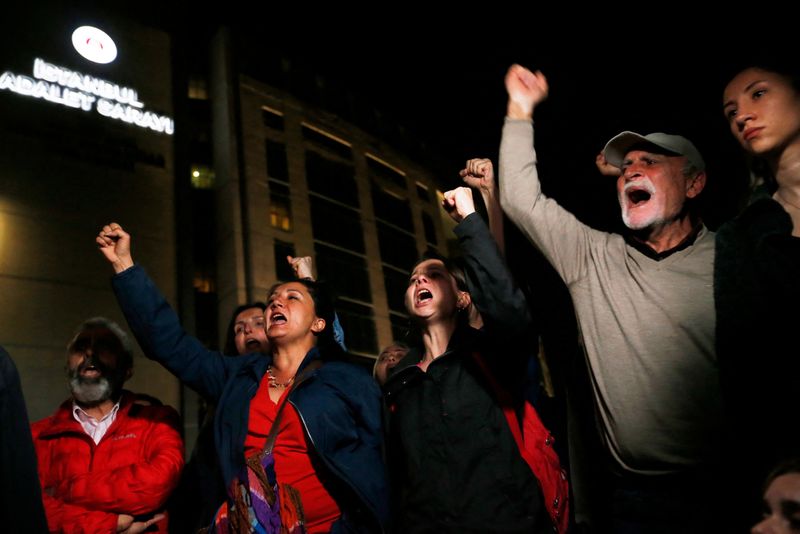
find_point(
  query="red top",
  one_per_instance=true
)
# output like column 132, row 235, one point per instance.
column 292, row 461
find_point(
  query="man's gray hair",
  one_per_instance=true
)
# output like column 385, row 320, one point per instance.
column 122, row 336
column 690, row 170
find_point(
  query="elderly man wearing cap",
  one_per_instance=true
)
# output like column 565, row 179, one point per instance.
column 644, row 303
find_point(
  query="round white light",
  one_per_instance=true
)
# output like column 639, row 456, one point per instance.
column 94, row 44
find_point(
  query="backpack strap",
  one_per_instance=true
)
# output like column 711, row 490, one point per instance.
column 504, row 398
column 537, row 450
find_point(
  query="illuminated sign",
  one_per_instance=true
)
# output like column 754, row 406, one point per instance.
column 94, row 44
column 82, row 91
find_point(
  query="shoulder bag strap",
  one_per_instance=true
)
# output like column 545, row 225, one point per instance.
column 273, row 431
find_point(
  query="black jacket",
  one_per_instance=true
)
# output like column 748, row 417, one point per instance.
column 757, row 291
column 454, row 461
column 22, row 497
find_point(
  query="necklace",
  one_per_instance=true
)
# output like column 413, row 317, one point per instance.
column 273, row 382
column 784, row 201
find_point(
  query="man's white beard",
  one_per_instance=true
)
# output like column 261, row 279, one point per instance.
column 90, row 391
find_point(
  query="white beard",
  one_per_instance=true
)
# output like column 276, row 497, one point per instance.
column 90, row 390
column 642, row 216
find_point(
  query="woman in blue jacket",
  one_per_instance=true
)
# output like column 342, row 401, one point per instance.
column 328, row 450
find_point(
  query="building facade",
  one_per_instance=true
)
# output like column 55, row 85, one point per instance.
column 303, row 182
column 83, row 144
column 217, row 178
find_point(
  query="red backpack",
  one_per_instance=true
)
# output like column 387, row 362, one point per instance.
column 535, row 445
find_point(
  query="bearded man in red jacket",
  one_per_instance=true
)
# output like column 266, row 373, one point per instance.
column 106, row 462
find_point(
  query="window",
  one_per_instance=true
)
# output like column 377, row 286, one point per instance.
column 398, row 249
column 358, row 322
column 277, row 164
column 204, row 261
column 430, row 229
column 337, row 225
column 272, row 118
column 401, row 326
column 328, row 141
column 390, row 208
column 283, row 270
column 203, row 283
column 205, row 317
column 203, row 177
column 422, row 192
column 280, row 206
column 331, row 179
column 396, row 240
column 396, row 283
column 383, row 170
column 347, row 273
column 198, row 89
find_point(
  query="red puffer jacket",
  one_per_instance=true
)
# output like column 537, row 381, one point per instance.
column 131, row 471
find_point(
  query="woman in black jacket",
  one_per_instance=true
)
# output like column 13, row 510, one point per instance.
column 455, row 463
column 757, row 279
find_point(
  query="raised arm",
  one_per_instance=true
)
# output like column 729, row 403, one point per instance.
column 478, row 173
column 115, row 245
column 521, row 191
column 155, row 324
column 526, row 89
column 500, row 302
column 556, row 232
column 604, row 167
column 302, row 266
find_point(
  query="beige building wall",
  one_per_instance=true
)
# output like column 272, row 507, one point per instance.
column 60, row 181
column 254, row 220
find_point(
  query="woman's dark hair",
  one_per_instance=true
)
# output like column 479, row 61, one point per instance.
column 791, row 465
column 790, row 72
column 324, row 308
column 774, row 61
column 454, row 267
column 230, row 336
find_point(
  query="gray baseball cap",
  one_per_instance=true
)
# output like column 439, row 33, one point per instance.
column 622, row 143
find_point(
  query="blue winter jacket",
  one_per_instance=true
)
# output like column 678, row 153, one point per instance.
column 339, row 404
